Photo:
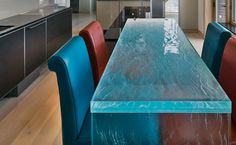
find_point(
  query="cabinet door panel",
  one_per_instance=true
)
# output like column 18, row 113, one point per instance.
column 107, row 13
column 59, row 31
column 35, row 48
column 74, row 5
column 11, row 60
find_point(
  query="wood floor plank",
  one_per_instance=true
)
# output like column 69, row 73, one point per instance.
column 58, row 139
column 50, row 130
column 9, row 104
column 33, row 127
column 24, row 111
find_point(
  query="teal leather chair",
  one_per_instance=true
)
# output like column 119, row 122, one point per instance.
column 76, row 87
column 213, row 47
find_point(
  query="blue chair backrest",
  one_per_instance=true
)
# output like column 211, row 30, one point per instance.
column 75, row 80
column 213, row 47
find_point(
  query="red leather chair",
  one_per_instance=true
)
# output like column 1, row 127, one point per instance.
column 94, row 39
column 227, row 77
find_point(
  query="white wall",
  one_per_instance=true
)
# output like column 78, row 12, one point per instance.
column 12, row 7
column 93, row 5
column 201, row 16
column 84, row 5
column 43, row 3
column 205, row 14
column 87, row 5
column 208, row 13
column 188, row 14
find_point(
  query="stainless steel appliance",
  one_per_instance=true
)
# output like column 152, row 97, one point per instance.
column 158, row 8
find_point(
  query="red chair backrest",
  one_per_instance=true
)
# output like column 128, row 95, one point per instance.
column 227, row 77
column 94, row 39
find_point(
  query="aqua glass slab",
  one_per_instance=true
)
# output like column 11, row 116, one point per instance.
column 155, row 69
column 161, row 129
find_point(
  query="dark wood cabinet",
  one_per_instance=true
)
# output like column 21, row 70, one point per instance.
column 11, row 60
column 24, row 49
column 59, row 31
column 74, row 5
column 35, row 46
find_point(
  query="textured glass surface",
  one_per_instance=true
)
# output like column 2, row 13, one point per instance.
column 155, row 69
column 160, row 129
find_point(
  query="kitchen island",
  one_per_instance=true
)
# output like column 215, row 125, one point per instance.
column 27, row 40
column 156, row 90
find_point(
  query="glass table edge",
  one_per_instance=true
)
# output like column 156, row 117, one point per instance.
column 223, row 107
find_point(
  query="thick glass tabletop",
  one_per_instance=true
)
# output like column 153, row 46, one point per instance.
column 155, row 69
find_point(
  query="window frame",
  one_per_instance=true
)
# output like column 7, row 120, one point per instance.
column 233, row 12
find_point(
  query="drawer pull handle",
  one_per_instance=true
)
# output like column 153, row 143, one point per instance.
column 36, row 25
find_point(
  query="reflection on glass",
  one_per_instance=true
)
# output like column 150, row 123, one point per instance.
column 171, row 41
column 172, row 6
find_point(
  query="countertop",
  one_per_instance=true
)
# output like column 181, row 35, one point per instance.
column 155, row 69
column 26, row 18
column 230, row 27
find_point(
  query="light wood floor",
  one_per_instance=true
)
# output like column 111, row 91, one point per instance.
column 33, row 118
column 197, row 41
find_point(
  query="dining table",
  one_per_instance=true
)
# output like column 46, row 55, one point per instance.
column 156, row 90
